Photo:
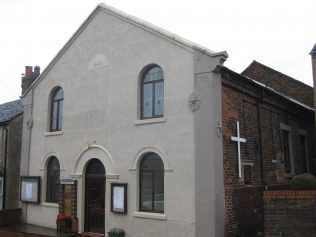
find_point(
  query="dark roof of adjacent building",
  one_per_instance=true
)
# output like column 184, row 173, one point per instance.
column 313, row 50
column 280, row 82
column 10, row 110
column 271, row 90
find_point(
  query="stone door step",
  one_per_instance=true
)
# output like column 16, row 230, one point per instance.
column 89, row 234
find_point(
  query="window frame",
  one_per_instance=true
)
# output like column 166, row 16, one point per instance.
column 152, row 185
column 51, row 191
column 58, row 112
column 154, row 82
column 286, row 128
column 303, row 133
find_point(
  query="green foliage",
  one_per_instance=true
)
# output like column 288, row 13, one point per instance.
column 303, row 182
column 116, row 232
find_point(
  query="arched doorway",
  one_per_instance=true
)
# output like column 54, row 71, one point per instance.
column 95, row 197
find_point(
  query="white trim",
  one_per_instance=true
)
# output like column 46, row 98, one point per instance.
column 47, row 157
column 243, row 163
column 76, row 176
column 150, row 215
column 150, row 149
column 55, row 133
column 150, row 121
column 238, row 139
column 111, row 177
column 94, row 151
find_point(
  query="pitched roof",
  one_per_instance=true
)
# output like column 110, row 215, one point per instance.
column 10, row 110
column 280, row 82
column 313, row 50
column 177, row 40
column 270, row 89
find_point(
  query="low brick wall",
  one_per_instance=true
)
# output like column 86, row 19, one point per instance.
column 244, row 211
column 290, row 213
column 10, row 217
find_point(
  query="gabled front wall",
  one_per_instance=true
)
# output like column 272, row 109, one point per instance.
column 101, row 108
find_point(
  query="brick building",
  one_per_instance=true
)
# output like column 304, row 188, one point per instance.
column 313, row 57
column 278, row 133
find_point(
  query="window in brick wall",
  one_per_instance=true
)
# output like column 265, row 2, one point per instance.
column 247, row 174
column 287, row 150
column 303, row 150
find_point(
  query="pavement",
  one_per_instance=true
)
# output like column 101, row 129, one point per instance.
column 27, row 230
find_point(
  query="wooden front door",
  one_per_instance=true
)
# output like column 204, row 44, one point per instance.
column 95, row 197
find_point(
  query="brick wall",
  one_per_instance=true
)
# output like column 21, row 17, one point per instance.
column 244, row 211
column 260, row 114
column 10, row 217
column 68, row 203
column 290, row 213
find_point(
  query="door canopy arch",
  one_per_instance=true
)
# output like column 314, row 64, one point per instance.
column 91, row 152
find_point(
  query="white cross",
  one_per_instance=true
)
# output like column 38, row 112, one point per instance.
column 238, row 139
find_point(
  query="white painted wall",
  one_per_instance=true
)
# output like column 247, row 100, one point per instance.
column 101, row 107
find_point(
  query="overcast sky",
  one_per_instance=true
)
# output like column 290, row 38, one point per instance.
column 277, row 33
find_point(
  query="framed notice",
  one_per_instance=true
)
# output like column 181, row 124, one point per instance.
column 119, row 198
column 30, row 189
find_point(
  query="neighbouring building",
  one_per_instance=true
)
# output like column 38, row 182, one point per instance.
column 313, row 56
column 126, row 103
column 276, row 138
column 11, row 117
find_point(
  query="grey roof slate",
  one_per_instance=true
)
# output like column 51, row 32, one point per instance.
column 10, row 110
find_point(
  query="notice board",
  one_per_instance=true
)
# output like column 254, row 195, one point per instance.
column 30, row 189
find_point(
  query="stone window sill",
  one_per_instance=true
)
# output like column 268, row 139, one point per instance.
column 49, row 204
column 150, row 121
column 150, row 215
column 56, row 133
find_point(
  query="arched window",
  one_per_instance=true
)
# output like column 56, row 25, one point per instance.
column 56, row 113
column 152, row 93
column 151, row 182
column 53, row 178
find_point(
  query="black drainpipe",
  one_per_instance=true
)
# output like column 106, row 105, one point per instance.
column 5, row 167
